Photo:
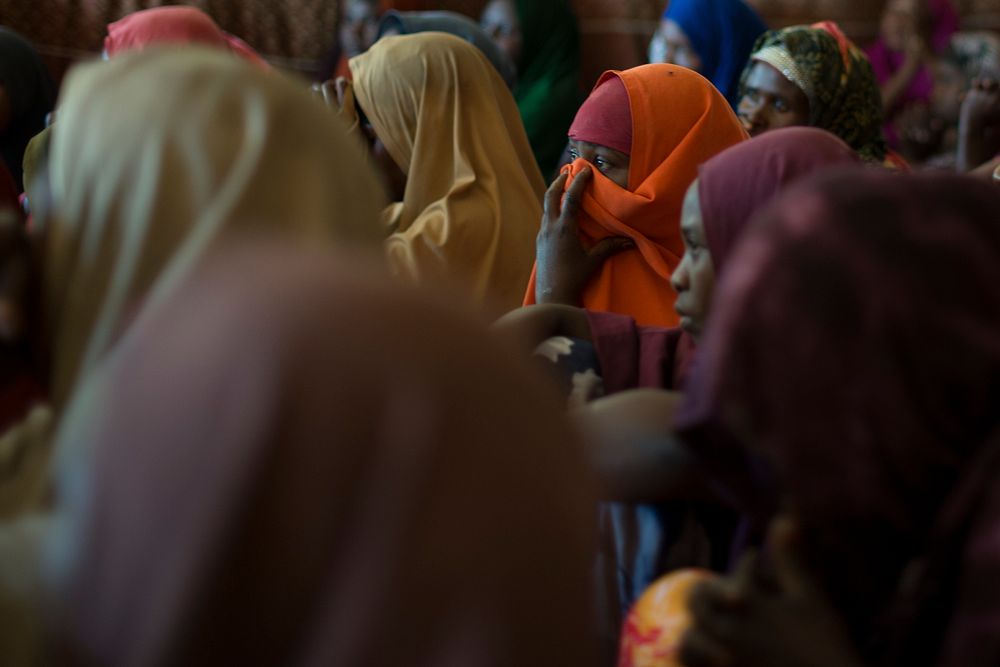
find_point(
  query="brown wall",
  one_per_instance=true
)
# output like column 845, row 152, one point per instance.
column 298, row 33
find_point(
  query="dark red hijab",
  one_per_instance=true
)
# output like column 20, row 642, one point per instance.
column 294, row 460
column 738, row 182
column 853, row 369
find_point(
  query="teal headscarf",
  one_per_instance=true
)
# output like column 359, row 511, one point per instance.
column 548, row 89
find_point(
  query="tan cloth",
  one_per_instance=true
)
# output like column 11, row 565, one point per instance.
column 156, row 158
column 472, row 206
column 370, row 479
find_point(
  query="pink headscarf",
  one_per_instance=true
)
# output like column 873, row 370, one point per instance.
column 173, row 25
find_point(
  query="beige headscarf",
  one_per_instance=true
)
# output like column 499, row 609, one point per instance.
column 156, row 158
column 158, row 155
column 473, row 193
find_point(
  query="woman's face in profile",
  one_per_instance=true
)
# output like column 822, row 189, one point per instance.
column 671, row 45
column 500, row 21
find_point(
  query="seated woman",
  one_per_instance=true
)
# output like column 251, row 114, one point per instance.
column 411, row 23
column 912, row 33
column 447, row 134
column 543, row 41
column 173, row 25
column 637, row 143
column 664, row 525
column 712, row 37
column 27, row 95
column 135, row 194
column 932, row 133
column 367, row 479
column 855, row 391
column 813, row 75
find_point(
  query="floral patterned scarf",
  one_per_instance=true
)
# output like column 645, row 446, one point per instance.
column 836, row 77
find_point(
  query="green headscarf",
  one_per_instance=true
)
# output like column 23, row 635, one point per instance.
column 548, row 93
column 837, row 78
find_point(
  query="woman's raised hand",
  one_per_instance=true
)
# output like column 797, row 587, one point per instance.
column 564, row 265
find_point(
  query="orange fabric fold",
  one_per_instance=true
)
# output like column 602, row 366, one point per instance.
column 679, row 120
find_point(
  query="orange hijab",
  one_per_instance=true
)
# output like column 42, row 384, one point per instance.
column 679, row 120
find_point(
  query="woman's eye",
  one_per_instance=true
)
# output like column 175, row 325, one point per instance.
column 602, row 163
column 780, row 106
column 574, row 155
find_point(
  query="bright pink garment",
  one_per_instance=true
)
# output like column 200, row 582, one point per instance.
column 173, row 25
column 886, row 63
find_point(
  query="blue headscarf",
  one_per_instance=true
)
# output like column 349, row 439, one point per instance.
column 722, row 33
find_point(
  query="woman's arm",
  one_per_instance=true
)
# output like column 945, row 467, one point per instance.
column 532, row 325
column 631, row 446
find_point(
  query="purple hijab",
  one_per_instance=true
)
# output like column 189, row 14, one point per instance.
column 855, row 358
column 732, row 186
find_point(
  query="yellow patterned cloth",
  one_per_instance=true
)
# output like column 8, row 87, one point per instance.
column 836, row 77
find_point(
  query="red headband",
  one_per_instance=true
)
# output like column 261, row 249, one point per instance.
column 606, row 117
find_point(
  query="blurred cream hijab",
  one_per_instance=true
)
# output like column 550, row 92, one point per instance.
column 157, row 158
column 473, row 199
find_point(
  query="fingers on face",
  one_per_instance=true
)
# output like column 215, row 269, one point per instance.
column 553, row 195
column 574, row 195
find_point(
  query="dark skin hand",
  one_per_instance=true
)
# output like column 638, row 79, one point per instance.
column 338, row 95
column 564, row 265
column 979, row 125
column 738, row 622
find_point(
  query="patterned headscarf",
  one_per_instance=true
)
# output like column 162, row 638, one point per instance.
column 837, row 79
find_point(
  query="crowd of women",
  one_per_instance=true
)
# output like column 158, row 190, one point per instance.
column 444, row 361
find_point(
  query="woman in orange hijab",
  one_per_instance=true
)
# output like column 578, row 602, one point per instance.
column 645, row 130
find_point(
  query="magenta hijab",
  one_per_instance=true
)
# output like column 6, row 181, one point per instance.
column 853, row 370
column 735, row 184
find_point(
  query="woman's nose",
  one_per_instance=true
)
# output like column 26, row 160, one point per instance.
column 679, row 278
column 757, row 116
